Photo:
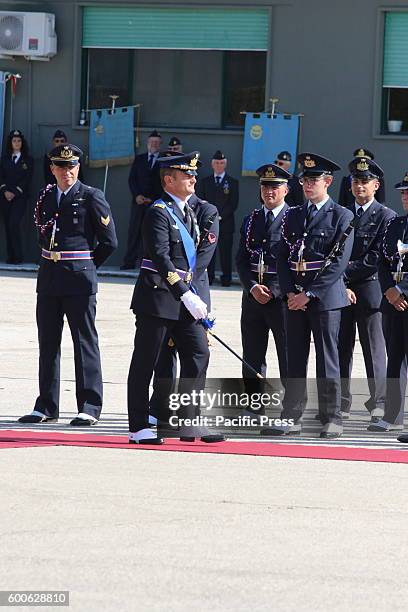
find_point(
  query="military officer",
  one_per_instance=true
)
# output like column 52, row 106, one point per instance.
column 165, row 302
column 222, row 190
column 393, row 274
column 364, row 289
column 166, row 367
column 76, row 235
column 315, row 296
column 263, row 309
column 16, row 170
column 346, row 197
column 59, row 138
column 295, row 196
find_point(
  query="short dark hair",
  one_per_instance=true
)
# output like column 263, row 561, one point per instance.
column 166, row 172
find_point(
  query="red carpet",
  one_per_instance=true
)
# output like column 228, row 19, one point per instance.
column 21, row 439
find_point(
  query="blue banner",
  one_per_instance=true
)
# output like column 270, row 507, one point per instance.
column 267, row 135
column 111, row 138
column 2, row 106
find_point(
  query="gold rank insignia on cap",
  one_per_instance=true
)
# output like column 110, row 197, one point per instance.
column 194, row 162
column 309, row 162
column 405, row 179
column 105, row 220
column 173, row 278
column 361, row 153
column 66, row 153
column 362, row 165
column 269, row 173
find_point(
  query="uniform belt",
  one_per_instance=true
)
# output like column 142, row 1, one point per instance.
column 305, row 266
column 399, row 276
column 271, row 269
column 66, row 255
column 147, row 264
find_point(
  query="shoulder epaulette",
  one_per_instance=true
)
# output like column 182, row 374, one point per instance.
column 158, row 205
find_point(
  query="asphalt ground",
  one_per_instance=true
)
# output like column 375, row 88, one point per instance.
column 146, row 530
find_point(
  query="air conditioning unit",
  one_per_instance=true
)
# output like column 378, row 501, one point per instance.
column 31, row 35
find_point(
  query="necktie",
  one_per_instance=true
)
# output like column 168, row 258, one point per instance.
column 311, row 213
column 62, row 196
column 269, row 221
column 359, row 212
column 187, row 218
column 14, row 159
column 405, row 232
column 217, row 180
column 151, row 160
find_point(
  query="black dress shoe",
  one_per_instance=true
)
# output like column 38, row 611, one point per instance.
column 148, row 441
column 403, row 438
column 34, row 418
column 83, row 422
column 225, row 283
column 208, row 439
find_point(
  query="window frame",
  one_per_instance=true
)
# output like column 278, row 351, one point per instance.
column 77, row 63
column 379, row 97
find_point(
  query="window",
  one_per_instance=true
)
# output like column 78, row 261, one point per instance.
column 244, row 85
column 395, row 73
column 109, row 72
column 177, row 88
column 395, row 113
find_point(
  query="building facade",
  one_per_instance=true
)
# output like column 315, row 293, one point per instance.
column 196, row 65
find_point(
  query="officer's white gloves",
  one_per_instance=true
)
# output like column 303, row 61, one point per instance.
column 194, row 305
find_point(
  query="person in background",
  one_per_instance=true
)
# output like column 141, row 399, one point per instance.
column 295, row 196
column 346, row 197
column 222, row 190
column 16, row 171
column 175, row 145
column 144, row 184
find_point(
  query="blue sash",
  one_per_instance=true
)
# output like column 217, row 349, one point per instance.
column 187, row 240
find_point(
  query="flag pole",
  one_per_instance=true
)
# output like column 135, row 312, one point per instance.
column 113, row 97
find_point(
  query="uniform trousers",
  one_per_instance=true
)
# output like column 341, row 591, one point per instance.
column 257, row 320
column 396, row 334
column 134, row 249
column 224, row 250
column 191, row 340
column 370, row 331
column 325, row 328
column 13, row 213
column 164, row 380
column 80, row 311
